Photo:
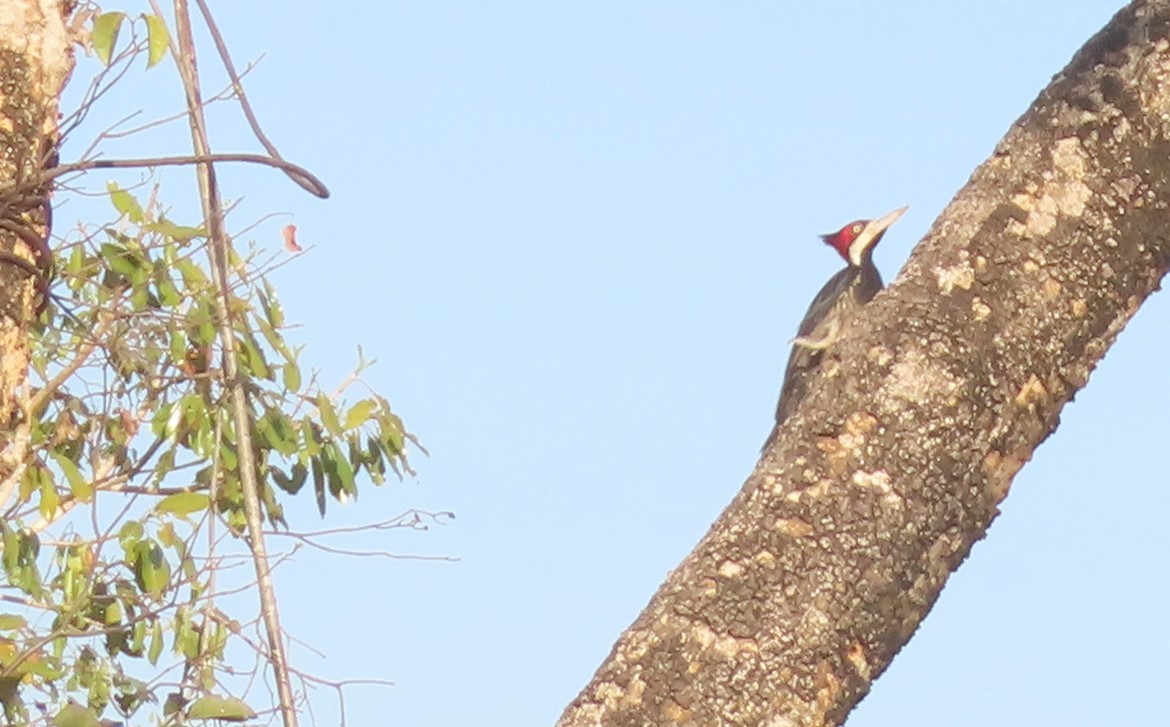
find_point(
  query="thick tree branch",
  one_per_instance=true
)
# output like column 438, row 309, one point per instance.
column 894, row 464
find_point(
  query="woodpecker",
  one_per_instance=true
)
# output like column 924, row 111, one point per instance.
column 831, row 311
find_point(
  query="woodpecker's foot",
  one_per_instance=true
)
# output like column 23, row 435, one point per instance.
column 820, row 343
column 812, row 344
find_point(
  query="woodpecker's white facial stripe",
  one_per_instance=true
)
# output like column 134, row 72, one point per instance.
column 872, row 230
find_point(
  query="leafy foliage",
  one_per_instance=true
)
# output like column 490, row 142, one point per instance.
column 128, row 406
column 121, row 485
column 108, row 26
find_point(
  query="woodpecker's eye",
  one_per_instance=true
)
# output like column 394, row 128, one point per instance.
column 856, row 230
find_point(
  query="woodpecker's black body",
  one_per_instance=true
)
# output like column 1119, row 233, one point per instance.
column 833, row 308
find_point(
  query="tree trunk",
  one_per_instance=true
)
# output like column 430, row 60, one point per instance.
column 35, row 62
column 895, row 463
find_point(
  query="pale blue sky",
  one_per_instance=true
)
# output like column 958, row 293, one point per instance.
column 577, row 236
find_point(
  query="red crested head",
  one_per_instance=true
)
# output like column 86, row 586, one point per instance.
column 856, row 239
column 844, row 237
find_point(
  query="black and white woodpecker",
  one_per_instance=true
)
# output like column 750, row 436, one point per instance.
column 834, row 307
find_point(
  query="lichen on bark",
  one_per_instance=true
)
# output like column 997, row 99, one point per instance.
column 35, row 61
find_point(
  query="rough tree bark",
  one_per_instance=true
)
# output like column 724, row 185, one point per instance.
column 35, row 61
column 894, row 465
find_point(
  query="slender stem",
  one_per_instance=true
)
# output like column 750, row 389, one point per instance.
column 303, row 177
column 219, row 250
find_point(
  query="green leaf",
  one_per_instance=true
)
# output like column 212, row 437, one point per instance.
column 393, row 435
column 271, row 307
column 273, row 509
column 41, row 668
column 286, row 430
column 125, row 203
column 319, row 484
column 138, row 641
column 50, row 500
column 11, row 622
column 169, row 538
column 228, row 709
column 291, row 484
column 253, row 359
column 186, row 636
column 183, row 503
column 207, row 331
column 163, row 467
column 29, row 483
column 156, row 642
column 341, row 477
column 292, row 377
column 312, row 434
column 157, row 39
column 359, row 413
column 278, row 432
column 105, row 35
column 178, row 349
column 195, row 414
column 151, row 569
column 166, row 420
column 275, row 340
column 168, row 294
column 228, row 458
column 76, row 261
column 328, row 414
column 123, row 262
column 73, row 714
column 375, row 460
column 130, row 534
column 180, row 233
column 113, row 614
column 81, row 488
column 20, row 560
column 356, row 455
column 11, row 548
column 142, row 298
column 193, row 275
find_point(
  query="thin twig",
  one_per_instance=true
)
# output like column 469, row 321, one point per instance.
column 361, row 553
column 230, row 67
column 223, row 95
column 410, row 519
